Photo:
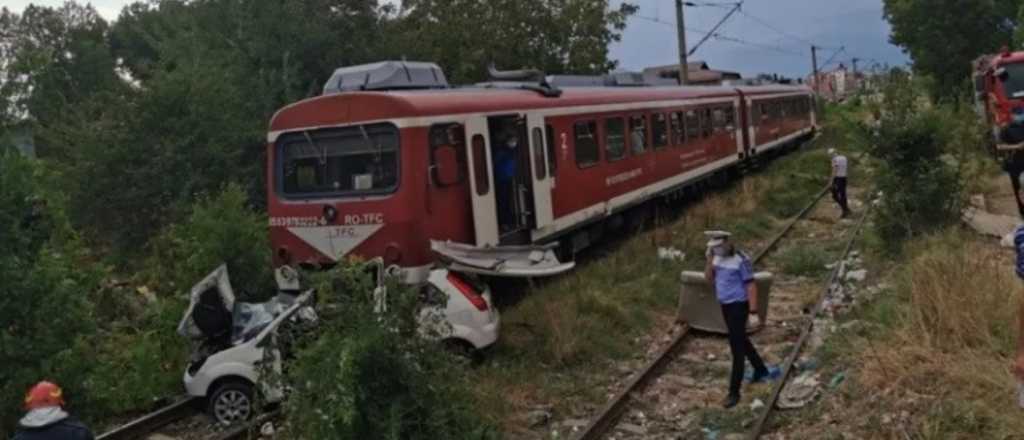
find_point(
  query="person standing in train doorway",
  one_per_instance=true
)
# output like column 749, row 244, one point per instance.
column 504, row 178
column 731, row 273
column 840, row 167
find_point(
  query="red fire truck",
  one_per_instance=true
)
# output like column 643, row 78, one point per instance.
column 999, row 101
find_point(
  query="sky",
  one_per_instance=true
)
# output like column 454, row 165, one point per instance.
column 650, row 38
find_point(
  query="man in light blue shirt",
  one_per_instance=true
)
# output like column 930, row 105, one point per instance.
column 732, row 274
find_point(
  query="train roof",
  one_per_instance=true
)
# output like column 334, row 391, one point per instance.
column 354, row 107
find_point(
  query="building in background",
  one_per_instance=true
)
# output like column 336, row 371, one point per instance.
column 836, row 85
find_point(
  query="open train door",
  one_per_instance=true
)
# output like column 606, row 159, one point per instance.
column 542, row 177
column 481, row 183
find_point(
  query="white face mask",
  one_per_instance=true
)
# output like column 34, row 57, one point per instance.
column 513, row 143
column 718, row 251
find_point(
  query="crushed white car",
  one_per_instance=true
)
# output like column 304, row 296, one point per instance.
column 230, row 338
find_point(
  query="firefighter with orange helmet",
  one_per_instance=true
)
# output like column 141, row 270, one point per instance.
column 46, row 419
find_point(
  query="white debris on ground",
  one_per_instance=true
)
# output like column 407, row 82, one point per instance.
column 671, row 254
column 799, row 391
column 987, row 223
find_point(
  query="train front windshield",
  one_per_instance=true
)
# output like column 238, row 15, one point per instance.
column 1013, row 82
column 348, row 161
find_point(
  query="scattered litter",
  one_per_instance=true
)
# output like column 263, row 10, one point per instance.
column 1007, row 241
column 711, row 357
column 799, row 392
column 632, row 429
column 146, row 294
column 709, row 434
column 267, row 430
column 538, row 418
column 986, row 223
column 807, row 364
column 756, row 405
column 857, row 275
column 671, row 254
column 574, row 424
column 831, row 266
column 837, row 380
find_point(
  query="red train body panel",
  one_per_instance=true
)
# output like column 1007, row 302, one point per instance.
column 383, row 173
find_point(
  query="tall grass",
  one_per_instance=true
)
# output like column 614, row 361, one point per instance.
column 949, row 346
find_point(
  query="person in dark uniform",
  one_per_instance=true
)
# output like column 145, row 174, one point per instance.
column 504, row 178
column 732, row 274
column 46, row 419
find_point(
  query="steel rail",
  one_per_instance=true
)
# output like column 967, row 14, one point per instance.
column 148, row 423
column 613, row 409
column 240, row 431
column 787, row 368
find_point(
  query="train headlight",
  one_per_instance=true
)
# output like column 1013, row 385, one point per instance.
column 330, row 213
column 392, row 253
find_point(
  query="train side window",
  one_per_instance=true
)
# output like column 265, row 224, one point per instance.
column 730, row 118
column 765, row 112
column 552, row 163
column 638, row 134
column 480, row 169
column 678, row 133
column 718, row 120
column 538, row 154
column 614, row 139
column 585, row 144
column 706, row 123
column 447, row 140
column 692, row 125
column 659, row 130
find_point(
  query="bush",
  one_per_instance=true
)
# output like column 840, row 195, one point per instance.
column 918, row 175
column 220, row 229
column 368, row 374
column 44, row 296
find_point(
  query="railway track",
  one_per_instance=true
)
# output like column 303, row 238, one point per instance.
column 178, row 412
column 665, row 362
column 139, row 428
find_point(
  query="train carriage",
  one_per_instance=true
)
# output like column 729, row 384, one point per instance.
column 385, row 172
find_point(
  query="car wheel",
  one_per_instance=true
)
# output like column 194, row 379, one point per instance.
column 465, row 350
column 231, row 403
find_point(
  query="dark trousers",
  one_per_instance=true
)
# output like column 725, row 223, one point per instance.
column 1015, row 183
column 736, row 315
column 504, row 199
column 839, row 193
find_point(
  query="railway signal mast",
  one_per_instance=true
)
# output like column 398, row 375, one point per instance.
column 684, row 70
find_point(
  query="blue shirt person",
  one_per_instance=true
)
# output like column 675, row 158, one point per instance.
column 732, row 274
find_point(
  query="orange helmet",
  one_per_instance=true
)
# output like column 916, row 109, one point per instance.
column 44, row 394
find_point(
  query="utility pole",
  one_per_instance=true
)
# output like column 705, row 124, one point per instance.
column 855, row 60
column 684, row 70
column 814, row 65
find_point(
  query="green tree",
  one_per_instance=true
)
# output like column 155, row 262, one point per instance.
column 44, row 307
column 52, row 59
column 464, row 36
column 943, row 37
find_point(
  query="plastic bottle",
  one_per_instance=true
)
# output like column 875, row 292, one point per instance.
column 1020, row 394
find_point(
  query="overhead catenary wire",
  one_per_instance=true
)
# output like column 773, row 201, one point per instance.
column 721, row 37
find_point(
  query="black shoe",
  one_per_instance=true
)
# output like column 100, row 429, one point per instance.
column 731, row 401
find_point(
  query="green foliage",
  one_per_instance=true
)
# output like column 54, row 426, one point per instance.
column 918, row 174
column 557, row 36
column 368, row 374
column 943, row 37
column 44, row 303
column 221, row 229
column 803, row 261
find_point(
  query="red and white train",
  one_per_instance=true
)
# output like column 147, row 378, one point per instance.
column 390, row 159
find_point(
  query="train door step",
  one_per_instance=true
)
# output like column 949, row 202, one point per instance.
column 502, row 261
